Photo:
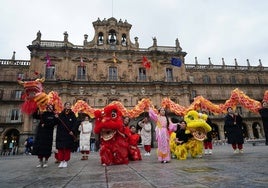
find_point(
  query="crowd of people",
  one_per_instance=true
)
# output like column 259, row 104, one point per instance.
column 60, row 133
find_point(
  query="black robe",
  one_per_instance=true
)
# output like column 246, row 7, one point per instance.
column 66, row 122
column 44, row 135
column 234, row 131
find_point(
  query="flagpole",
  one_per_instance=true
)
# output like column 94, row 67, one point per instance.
column 112, row 8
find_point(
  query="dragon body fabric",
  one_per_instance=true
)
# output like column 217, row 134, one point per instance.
column 197, row 127
column 113, row 140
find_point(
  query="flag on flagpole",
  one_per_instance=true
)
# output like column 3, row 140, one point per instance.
column 114, row 58
column 146, row 63
column 48, row 63
column 176, row 62
column 82, row 64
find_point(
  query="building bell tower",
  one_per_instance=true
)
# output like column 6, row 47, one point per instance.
column 111, row 34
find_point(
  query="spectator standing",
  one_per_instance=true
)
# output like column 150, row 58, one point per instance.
column 28, row 145
column 264, row 116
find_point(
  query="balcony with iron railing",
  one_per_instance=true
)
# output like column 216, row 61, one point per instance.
column 9, row 62
column 224, row 67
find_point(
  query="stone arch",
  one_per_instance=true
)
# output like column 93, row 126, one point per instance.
column 10, row 142
column 124, row 40
column 215, row 131
column 245, row 130
column 100, row 38
column 256, row 128
column 112, row 37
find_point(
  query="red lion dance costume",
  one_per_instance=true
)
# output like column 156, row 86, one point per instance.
column 113, row 140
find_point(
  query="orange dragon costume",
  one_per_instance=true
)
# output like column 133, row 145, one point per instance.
column 114, row 147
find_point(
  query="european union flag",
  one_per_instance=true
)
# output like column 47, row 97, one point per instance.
column 176, row 61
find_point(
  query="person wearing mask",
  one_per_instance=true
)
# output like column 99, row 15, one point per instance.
column 42, row 146
column 264, row 116
column 65, row 138
column 234, row 130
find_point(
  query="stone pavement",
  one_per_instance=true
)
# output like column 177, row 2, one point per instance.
column 223, row 169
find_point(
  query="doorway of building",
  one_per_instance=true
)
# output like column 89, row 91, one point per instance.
column 10, row 142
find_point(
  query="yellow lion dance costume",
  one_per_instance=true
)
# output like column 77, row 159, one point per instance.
column 198, row 128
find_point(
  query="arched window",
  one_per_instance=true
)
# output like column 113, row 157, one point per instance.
column 124, row 40
column 100, row 38
column 112, row 37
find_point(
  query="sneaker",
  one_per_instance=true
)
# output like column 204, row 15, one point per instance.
column 64, row 165
column 45, row 165
column 148, row 154
column 61, row 164
column 235, row 151
column 145, row 154
column 40, row 165
column 206, row 152
column 210, row 152
column 241, row 151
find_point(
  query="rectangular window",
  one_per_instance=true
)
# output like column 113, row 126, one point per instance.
column 20, row 76
column 169, row 74
column 206, row 79
column 1, row 94
column 81, row 72
column 219, row 80
column 191, row 79
column 233, row 80
column 112, row 73
column 15, row 115
column 142, row 74
column 193, row 94
column 18, row 94
column 50, row 72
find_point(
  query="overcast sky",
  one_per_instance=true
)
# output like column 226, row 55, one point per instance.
column 218, row 29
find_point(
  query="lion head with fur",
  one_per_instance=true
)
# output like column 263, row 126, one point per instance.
column 108, row 122
column 197, row 125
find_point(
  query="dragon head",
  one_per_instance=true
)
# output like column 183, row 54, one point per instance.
column 108, row 121
column 32, row 88
column 197, row 125
column 33, row 95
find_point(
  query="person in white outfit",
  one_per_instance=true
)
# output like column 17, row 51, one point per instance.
column 85, row 129
column 146, row 134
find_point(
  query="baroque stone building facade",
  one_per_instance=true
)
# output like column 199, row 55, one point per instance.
column 110, row 67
